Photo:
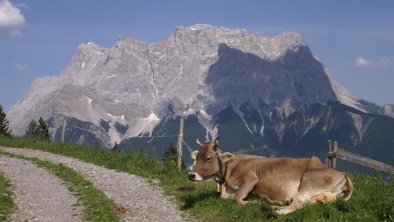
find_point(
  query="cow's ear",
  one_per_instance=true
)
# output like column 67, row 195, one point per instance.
column 194, row 155
column 226, row 156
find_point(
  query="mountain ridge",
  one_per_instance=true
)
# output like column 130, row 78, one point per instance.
column 133, row 86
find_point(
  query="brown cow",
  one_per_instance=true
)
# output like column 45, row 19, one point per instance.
column 291, row 181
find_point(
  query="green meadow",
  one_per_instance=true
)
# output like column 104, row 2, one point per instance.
column 372, row 200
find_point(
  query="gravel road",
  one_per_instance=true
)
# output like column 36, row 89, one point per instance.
column 143, row 201
column 38, row 194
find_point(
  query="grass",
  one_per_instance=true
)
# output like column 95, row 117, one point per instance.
column 97, row 207
column 372, row 200
column 6, row 203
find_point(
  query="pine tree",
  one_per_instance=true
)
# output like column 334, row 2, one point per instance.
column 170, row 157
column 32, row 130
column 4, row 130
column 43, row 128
column 116, row 147
column 38, row 130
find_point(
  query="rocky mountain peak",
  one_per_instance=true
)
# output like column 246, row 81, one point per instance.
column 197, row 69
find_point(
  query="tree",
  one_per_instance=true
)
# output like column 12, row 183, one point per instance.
column 170, row 157
column 38, row 130
column 4, row 128
column 116, row 147
column 44, row 133
column 32, row 130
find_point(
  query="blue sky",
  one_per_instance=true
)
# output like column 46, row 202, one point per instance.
column 354, row 39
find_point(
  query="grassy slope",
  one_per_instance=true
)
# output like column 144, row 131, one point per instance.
column 6, row 203
column 373, row 197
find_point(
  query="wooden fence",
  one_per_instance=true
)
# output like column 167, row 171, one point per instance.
column 334, row 152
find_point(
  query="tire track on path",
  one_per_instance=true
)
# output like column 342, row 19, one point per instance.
column 143, row 201
column 38, row 194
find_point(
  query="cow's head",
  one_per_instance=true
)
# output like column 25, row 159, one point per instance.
column 209, row 161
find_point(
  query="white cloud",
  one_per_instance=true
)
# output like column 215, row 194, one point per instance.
column 21, row 67
column 11, row 18
column 382, row 62
column 22, row 5
column 362, row 62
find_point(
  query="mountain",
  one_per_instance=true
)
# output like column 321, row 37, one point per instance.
column 266, row 95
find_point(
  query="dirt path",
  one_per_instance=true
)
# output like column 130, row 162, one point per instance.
column 143, row 201
column 38, row 194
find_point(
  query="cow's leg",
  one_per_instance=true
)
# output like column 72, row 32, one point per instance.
column 324, row 185
column 246, row 187
column 298, row 201
column 227, row 192
column 323, row 198
column 221, row 188
column 305, row 192
column 223, row 192
column 302, row 198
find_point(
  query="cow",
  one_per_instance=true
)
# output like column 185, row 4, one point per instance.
column 290, row 181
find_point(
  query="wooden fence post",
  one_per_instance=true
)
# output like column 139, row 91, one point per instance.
column 331, row 155
column 327, row 159
column 180, row 142
column 334, row 154
column 63, row 130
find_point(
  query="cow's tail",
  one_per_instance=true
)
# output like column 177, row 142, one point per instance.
column 347, row 190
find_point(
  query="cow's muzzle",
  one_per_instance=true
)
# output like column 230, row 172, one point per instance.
column 193, row 176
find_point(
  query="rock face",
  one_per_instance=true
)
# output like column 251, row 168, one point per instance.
column 119, row 93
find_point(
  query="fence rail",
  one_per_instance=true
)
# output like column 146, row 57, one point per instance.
column 334, row 152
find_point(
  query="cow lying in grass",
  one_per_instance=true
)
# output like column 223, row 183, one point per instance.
column 290, row 181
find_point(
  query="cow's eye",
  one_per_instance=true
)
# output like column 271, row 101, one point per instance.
column 209, row 158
